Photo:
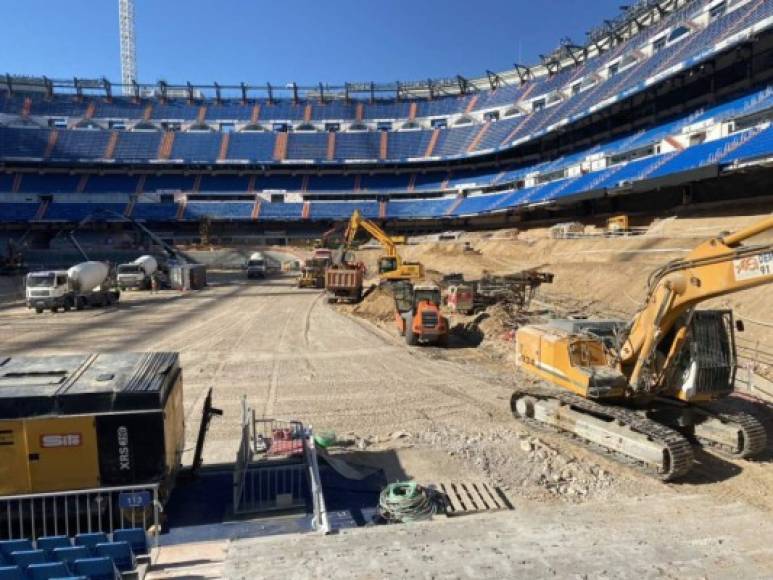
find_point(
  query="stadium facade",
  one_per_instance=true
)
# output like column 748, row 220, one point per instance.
column 671, row 105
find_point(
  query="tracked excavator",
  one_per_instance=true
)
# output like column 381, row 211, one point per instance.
column 647, row 390
column 391, row 267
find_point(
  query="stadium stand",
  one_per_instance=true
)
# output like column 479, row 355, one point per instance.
column 485, row 150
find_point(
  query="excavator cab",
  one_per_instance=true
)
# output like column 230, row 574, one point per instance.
column 387, row 264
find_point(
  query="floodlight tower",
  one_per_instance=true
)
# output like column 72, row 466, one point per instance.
column 128, row 55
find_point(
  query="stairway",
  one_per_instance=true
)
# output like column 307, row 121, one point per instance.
column 305, row 183
column 674, row 143
column 141, row 184
column 90, row 110
column 471, row 104
column 202, row 115
column 251, row 183
column 454, row 206
column 382, row 209
column 148, row 112
column 412, row 182
column 16, row 183
column 197, row 183
column 306, row 210
column 412, row 111
column 165, row 149
column 517, row 128
column 82, row 183
column 280, row 147
column 52, row 138
column 383, row 145
column 432, row 143
column 476, row 140
column 255, row 209
column 111, row 144
column 331, row 145
column 42, row 209
column 307, row 113
column 224, row 141
column 182, row 203
column 129, row 209
column 357, row 182
column 255, row 113
column 360, row 112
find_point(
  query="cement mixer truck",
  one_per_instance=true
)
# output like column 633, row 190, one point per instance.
column 85, row 284
column 137, row 274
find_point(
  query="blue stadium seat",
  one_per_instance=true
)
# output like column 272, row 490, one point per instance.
column 9, row 546
column 50, row 543
column 121, row 553
column 24, row 558
column 47, row 571
column 137, row 538
column 90, row 540
column 11, row 573
column 69, row 555
column 97, row 568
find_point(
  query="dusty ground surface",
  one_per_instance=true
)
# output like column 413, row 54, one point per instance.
column 432, row 415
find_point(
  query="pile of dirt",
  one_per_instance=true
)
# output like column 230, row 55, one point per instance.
column 522, row 464
column 378, row 306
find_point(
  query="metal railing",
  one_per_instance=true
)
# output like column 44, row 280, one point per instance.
column 68, row 513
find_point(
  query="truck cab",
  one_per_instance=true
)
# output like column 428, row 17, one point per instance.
column 132, row 276
column 256, row 268
column 48, row 289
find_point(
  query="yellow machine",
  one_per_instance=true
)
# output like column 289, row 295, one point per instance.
column 618, row 224
column 313, row 273
column 644, row 389
column 71, row 422
column 390, row 266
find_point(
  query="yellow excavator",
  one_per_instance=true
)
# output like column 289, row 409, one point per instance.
column 647, row 390
column 391, row 267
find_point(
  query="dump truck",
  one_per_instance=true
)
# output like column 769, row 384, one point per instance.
column 137, row 274
column 85, row 284
column 417, row 313
column 344, row 282
column 645, row 390
column 256, row 266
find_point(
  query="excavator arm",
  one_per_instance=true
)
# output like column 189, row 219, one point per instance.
column 715, row 268
column 357, row 221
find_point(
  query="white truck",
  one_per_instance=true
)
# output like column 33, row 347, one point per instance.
column 85, row 284
column 256, row 266
column 137, row 274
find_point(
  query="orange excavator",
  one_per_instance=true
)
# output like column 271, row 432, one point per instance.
column 647, row 390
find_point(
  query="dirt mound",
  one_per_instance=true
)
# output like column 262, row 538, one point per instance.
column 377, row 306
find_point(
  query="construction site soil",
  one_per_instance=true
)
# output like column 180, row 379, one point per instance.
column 437, row 415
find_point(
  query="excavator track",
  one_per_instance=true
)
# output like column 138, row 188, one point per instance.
column 751, row 436
column 675, row 453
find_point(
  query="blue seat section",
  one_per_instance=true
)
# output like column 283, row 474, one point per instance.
column 157, row 183
column 307, row 146
column 196, row 147
column 694, row 157
column 136, row 537
column 230, row 110
column 432, row 181
column 77, row 211
column 111, row 184
column 408, row 144
column 504, row 95
column 387, row 110
column 18, row 212
column 48, row 183
column 419, row 209
column 6, row 182
column 760, row 145
column 331, row 183
column 334, row 110
column 251, row 146
column 229, row 183
column 61, row 106
column 135, row 146
column 343, row 210
column 78, row 144
column 282, row 110
column 11, row 573
column 101, row 568
column 281, row 182
column 175, row 110
column 49, row 543
column 281, row 211
column 478, row 204
column 47, row 571
column 359, row 145
column 384, row 182
column 442, row 106
column 454, row 141
column 155, row 211
column 480, row 178
column 119, row 108
column 497, row 132
column 23, row 143
column 69, row 555
column 121, row 553
column 90, row 540
column 219, row 209
column 24, row 558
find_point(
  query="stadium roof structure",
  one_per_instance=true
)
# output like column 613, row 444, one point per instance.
column 632, row 20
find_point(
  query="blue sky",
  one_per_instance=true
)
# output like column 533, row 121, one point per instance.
column 284, row 40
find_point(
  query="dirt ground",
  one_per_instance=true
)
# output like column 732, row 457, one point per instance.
column 436, row 415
